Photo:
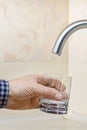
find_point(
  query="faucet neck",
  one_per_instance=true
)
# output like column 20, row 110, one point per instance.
column 60, row 42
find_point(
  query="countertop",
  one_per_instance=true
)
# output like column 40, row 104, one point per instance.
column 36, row 120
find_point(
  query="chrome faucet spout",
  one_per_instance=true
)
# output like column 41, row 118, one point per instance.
column 64, row 35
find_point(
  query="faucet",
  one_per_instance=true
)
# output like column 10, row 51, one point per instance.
column 59, row 44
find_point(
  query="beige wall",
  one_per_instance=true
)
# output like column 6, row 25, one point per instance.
column 28, row 29
column 13, row 70
column 78, row 58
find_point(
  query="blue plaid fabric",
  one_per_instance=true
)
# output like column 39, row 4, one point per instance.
column 4, row 92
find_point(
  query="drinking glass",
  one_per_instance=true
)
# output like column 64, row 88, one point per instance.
column 53, row 106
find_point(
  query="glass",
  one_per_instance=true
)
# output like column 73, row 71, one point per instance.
column 57, row 107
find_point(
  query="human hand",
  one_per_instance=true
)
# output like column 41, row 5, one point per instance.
column 26, row 91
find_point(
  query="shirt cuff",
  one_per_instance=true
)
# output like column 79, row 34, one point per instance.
column 4, row 93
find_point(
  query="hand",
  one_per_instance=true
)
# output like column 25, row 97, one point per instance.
column 25, row 92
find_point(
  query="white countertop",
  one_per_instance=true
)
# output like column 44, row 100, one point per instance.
column 36, row 120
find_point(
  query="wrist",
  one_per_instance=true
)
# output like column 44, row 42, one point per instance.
column 10, row 101
column 4, row 93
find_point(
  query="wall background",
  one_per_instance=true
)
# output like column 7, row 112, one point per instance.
column 78, row 58
column 29, row 29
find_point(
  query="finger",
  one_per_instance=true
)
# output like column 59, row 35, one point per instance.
column 50, row 93
column 49, row 81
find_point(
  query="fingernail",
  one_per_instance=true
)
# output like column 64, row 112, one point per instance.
column 58, row 96
column 65, row 95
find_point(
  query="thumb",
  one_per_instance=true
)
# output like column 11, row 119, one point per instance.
column 50, row 93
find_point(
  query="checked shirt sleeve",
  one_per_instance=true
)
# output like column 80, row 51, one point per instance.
column 4, row 92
